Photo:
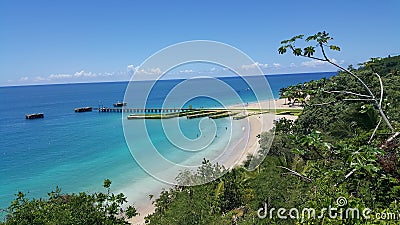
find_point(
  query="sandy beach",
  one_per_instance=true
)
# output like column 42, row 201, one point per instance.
column 257, row 123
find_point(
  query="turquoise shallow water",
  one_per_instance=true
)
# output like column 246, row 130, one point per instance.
column 77, row 151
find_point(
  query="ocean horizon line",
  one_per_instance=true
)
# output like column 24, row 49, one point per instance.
column 167, row 79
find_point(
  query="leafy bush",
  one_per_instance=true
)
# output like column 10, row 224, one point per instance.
column 59, row 208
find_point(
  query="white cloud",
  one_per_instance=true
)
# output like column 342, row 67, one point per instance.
column 106, row 74
column 313, row 63
column 152, row 71
column 276, row 65
column 23, row 78
column 79, row 76
column 130, row 67
column 317, row 63
column 40, row 78
column 82, row 73
column 186, row 71
column 58, row 76
column 142, row 71
column 254, row 65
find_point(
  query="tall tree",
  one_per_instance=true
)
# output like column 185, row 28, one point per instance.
column 322, row 41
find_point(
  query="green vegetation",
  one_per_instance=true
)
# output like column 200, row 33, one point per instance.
column 294, row 112
column 222, row 115
column 58, row 208
column 322, row 39
column 338, row 148
column 344, row 145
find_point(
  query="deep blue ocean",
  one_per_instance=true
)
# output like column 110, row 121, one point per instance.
column 77, row 151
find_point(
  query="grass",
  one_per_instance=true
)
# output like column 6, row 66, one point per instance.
column 226, row 114
column 294, row 112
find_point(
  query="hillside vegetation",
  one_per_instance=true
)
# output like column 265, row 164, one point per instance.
column 333, row 157
column 326, row 158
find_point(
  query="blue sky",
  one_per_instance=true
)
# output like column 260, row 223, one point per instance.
column 85, row 41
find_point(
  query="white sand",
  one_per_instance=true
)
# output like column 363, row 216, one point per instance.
column 145, row 208
column 261, row 122
column 257, row 123
column 269, row 104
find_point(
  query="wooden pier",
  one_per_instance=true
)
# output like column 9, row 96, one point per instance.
column 162, row 113
column 143, row 110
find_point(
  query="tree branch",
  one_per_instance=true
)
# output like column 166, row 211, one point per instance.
column 358, row 99
column 373, row 133
column 342, row 68
column 381, row 84
column 326, row 59
column 370, row 92
column 311, row 57
column 348, row 92
column 319, row 59
column 296, row 173
column 386, row 144
column 345, row 177
column 323, row 52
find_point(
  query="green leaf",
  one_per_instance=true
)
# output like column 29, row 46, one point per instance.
column 284, row 42
column 293, row 39
column 107, row 183
column 334, row 47
column 309, row 51
column 282, row 50
column 298, row 151
column 220, row 189
column 297, row 51
column 312, row 37
column 299, row 36
column 131, row 212
column 323, row 37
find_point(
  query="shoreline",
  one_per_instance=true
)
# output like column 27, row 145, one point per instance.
column 262, row 122
column 257, row 123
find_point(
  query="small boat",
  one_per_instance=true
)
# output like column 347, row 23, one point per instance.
column 84, row 109
column 34, row 116
column 119, row 104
